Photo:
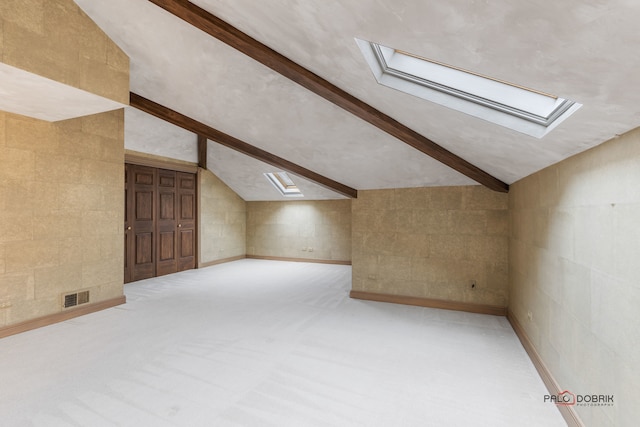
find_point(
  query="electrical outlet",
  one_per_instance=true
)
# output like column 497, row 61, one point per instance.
column 310, row 249
column 529, row 316
column 372, row 277
column 5, row 304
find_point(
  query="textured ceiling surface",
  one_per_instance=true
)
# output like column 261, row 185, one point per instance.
column 582, row 50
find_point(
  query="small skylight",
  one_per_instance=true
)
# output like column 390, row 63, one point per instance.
column 284, row 184
column 525, row 110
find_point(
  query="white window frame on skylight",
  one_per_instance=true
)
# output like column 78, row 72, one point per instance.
column 524, row 110
column 284, row 184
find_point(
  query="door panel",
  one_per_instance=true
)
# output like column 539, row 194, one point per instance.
column 144, row 206
column 167, row 180
column 143, row 223
column 167, row 206
column 144, row 248
column 166, row 225
column 187, row 181
column 144, row 176
column 186, row 243
column 167, row 246
column 186, row 221
column 187, row 205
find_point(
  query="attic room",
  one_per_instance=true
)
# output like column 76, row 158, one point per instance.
column 319, row 213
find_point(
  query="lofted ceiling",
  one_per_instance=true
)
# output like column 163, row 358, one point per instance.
column 585, row 50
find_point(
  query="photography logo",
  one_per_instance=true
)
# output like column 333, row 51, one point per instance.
column 566, row 398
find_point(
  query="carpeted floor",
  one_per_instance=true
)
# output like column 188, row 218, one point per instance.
column 268, row 343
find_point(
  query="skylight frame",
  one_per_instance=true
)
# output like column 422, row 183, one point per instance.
column 284, row 184
column 382, row 59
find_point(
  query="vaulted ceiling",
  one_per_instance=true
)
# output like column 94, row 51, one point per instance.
column 586, row 51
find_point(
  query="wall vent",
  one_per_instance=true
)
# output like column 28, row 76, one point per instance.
column 74, row 299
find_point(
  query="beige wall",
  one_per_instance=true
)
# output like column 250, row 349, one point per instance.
column 61, row 212
column 575, row 266
column 222, row 220
column 55, row 39
column 61, row 195
column 432, row 243
column 318, row 230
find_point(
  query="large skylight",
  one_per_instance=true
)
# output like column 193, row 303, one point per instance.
column 284, row 184
column 525, row 110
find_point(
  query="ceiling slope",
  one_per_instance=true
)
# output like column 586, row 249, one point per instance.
column 145, row 133
column 204, row 131
column 582, row 50
column 235, row 38
column 187, row 70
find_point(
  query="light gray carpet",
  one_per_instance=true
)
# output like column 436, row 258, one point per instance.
column 268, row 343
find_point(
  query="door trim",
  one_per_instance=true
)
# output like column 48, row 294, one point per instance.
column 158, row 162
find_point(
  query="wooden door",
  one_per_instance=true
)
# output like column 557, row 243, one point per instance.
column 160, row 222
column 186, row 210
column 143, row 254
column 167, row 223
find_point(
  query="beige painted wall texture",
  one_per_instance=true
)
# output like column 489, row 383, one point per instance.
column 575, row 266
column 317, row 230
column 57, row 40
column 223, row 216
column 61, row 212
column 432, row 243
column 61, row 198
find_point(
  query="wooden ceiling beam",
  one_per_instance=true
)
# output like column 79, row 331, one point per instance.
column 202, row 151
column 207, row 132
column 242, row 42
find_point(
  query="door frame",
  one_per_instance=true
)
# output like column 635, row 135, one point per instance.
column 150, row 160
